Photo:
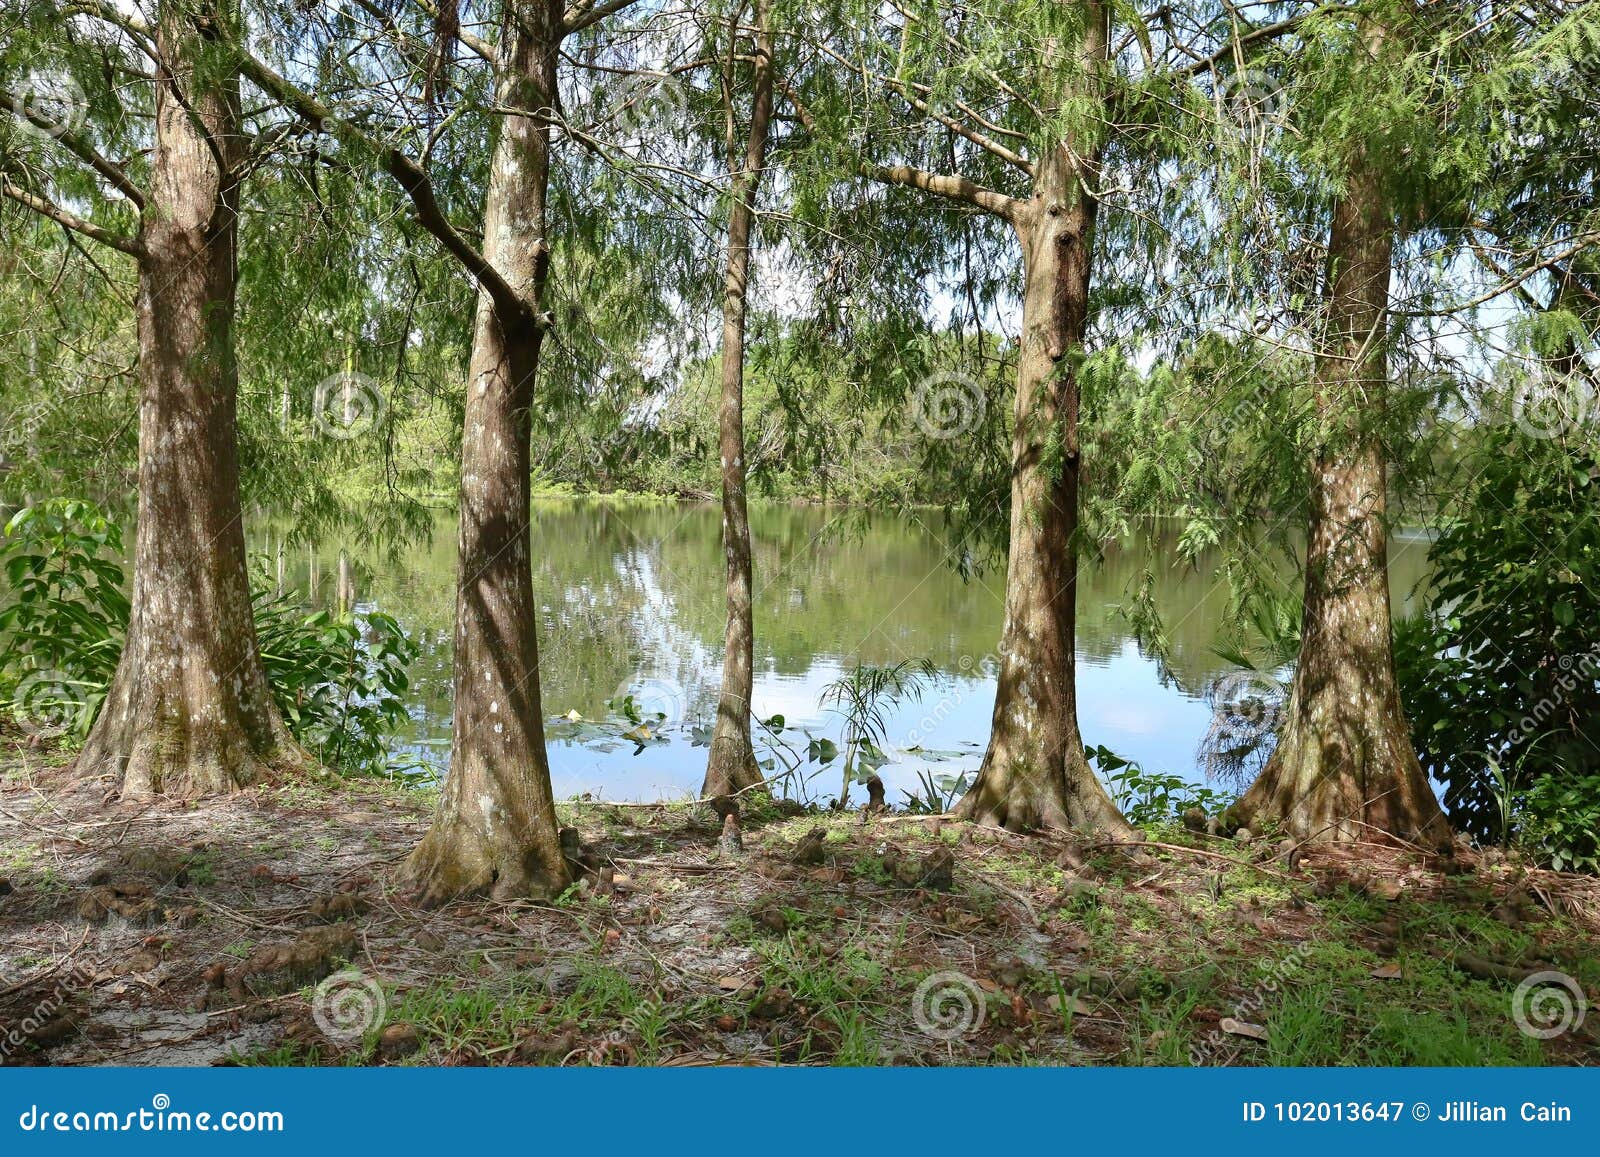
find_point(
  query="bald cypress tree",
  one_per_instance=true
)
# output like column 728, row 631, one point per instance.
column 1029, row 115
column 1392, row 161
column 495, row 829
column 731, row 766
column 1344, row 765
column 188, row 711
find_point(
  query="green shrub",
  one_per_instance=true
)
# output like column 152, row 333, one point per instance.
column 1501, row 679
column 1560, row 822
column 339, row 680
column 1150, row 797
column 61, row 627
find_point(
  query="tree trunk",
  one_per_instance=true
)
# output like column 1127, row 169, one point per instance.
column 731, row 767
column 1344, row 766
column 1034, row 772
column 495, row 830
column 188, row 712
column 346, row 596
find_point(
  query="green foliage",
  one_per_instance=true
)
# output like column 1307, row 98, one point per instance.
column 863, row 697
column 1148, row 797
column 1560, row 821
column 340, row 681
column 630, row 709
column 827, row 416
column 1502, row 678
column 937, row 794
column 61, row 631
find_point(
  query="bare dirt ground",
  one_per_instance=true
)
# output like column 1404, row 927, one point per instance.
column 265, row 928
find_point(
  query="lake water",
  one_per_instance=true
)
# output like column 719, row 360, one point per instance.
column 631, row 602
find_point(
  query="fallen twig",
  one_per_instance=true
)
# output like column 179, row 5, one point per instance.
column 51, row 971
column 1195, row 852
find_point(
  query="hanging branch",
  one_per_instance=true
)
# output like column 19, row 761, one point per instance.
column 949, row 185
column 79, row 147
column 71, row 221
column 411, row 177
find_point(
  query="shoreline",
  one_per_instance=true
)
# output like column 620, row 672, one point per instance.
column 202, row 933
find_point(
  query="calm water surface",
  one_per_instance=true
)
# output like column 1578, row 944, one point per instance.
column 631, row 602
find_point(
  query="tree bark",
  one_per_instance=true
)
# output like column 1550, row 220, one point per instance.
column 731, row 766
column 1034, row 773
column 1344, row 766
column 188, row 712
column 495, row 829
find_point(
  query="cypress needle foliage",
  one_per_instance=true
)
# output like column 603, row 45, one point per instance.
column 1221, row 147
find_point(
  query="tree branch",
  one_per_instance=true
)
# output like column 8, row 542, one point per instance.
column 985, row 143
column 584, row 15
column 1511, row 281
column 135, row 28
column 80, row 147
column 410, row 176
column 478, row 46
column 71, row 221
column 908, row 93
column 955, row 187
column 1263, row 32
